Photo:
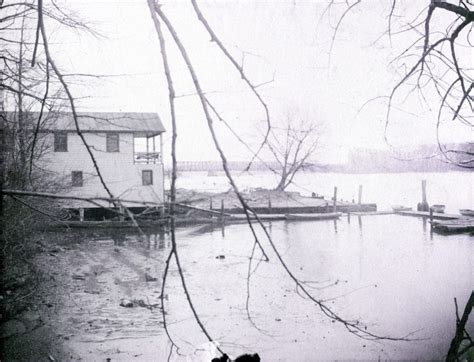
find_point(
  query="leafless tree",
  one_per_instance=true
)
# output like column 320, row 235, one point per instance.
column 292, row 146
column 28, row 85
column 299, row 136
column 436, row 64
column 161, row 20
column 462, row 341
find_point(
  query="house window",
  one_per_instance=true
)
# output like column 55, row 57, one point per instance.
column 77, row 180
column 113, row 142
column 60, row 142
column 147, row 177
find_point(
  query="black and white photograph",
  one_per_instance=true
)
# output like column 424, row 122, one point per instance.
column 236, row 180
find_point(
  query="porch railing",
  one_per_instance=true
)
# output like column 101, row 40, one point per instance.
column 147, row 157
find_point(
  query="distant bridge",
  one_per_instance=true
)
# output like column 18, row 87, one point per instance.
column 233, row 166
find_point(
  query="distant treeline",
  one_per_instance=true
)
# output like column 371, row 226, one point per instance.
column 426, row 158
column 423, row 159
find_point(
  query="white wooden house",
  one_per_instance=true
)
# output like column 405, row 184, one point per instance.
column 126, row 146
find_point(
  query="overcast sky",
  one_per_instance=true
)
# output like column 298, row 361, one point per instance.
column 287, row 42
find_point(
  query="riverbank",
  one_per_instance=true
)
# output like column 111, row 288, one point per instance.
column 30, row 299
column 104, row 291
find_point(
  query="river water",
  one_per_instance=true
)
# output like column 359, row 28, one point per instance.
column 387, row 271
column 454, row 189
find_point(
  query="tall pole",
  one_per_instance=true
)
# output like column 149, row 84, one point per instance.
column 359, row 201
column 424, row 203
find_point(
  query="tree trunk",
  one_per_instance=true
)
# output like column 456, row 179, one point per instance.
column 453, row 353
column 282, row 184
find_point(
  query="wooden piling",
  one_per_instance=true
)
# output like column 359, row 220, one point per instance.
column 334, row 206
column 210, row 203
column 431, row 218
column 423, row 191
column 222, row 209
column 269, row 206
column 423, row 206
column 359, row 201
column 121, row 210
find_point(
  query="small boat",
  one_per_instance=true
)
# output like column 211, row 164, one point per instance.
column 398, row 208
column 466, row 212
column 438, row 208
column 314, row 216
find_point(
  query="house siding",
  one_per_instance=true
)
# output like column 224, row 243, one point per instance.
column 121, row 175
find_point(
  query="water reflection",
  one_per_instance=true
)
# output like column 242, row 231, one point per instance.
column 118, row 237
column 395, row 279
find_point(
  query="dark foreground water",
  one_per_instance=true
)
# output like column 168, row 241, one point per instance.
column 387, row 271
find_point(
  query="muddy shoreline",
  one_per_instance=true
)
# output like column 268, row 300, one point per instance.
column 96, row 293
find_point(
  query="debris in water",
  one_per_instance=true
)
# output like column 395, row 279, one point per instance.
column 220, row 257
column 78, row 277
column 91, row 291
column 149, row 278
column 126, row 303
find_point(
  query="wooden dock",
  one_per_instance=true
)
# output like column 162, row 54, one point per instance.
column 426, row 214
column 263, row 217
column 371, row 213
column 307, row 217
column 292, row 217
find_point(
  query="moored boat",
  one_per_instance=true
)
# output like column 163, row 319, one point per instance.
column 398, row 208
column 314, row 216
column 438, row 208
column 466, row 212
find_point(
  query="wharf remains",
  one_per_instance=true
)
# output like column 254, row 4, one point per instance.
column 427, row 214
column 193, row 207
column 265, row 202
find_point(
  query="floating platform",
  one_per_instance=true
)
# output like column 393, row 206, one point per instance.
column 275, row 217
column 263, row 217
column 107, row 224
column 187, row 221
column 370, row 213
column 461, row 225
column 436, row 215
column 302, row 209
column 304, row 217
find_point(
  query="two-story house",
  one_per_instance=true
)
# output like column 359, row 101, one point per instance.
column 127, row 148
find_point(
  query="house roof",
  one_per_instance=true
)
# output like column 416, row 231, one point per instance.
column 143, row 123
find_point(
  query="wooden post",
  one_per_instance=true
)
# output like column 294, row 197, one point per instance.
column 121, row 217
column 423, row 191
column 222, row 209
column 269, row 206
column 431, row 218
column 334, row 205
column 147, row 150
column 424, row 202
column 210, row 203
column 359, row 201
